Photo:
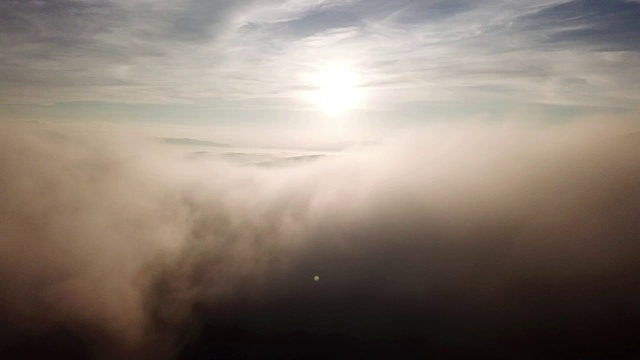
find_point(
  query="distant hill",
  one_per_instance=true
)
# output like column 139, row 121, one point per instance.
column 194, row 142
column 343, row 145
column 291, row 161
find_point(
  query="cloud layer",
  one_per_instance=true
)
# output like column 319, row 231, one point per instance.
column 466, row 237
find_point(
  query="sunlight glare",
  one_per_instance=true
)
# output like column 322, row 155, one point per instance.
column 336, row 89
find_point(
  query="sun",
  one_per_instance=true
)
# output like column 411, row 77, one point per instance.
column 335, row 89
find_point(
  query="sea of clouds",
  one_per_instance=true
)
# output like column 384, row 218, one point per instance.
column 464, row 234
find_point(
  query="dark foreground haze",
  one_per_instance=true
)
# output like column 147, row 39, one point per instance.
column 458, row 240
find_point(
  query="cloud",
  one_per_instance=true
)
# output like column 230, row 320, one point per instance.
column 604, row 26
column 465, row 236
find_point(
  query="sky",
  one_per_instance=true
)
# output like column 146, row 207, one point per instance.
column 256, row 63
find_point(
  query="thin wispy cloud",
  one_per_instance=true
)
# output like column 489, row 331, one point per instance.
column 257, row 52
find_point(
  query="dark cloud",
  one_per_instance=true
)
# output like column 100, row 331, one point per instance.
column 463, row 239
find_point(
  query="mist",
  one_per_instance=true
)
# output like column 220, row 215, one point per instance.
column 513, row 240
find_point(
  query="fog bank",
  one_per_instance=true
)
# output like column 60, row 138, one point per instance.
column 470, row 236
